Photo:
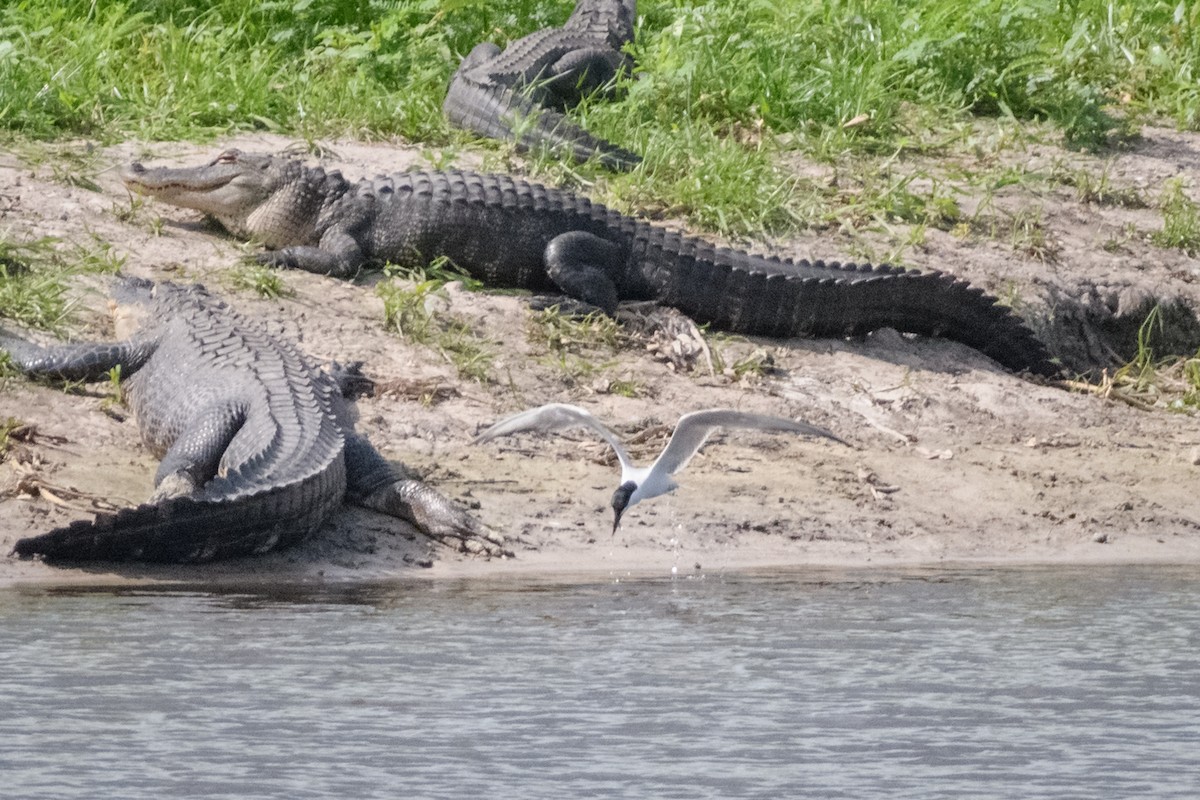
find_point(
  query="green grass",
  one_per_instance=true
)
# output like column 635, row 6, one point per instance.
column 436, row 274
column 114, row 391
column 578, row 347
column 411, row 309
column 406, row 309
column 1181, row 220
column 263, row 281
column 9, row 426
column 722, row 88
column 180, row 69
column 7, row 369
column 32, row 284
column 1099, row 189
column 1149, row 381
column 750, row 366
column 567, row 333
column 34, row 276
column 97, row 256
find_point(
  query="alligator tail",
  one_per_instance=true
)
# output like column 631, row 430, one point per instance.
column 190, row 531
column 764, row 296
column 498, row 112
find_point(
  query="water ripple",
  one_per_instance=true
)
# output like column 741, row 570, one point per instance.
column 1007, row 683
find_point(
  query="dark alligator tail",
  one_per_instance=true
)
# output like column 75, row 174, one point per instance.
column 763, row 296
column 500, row 113
column 186, row 531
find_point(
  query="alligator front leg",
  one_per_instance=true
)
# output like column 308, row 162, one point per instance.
column 372, row 482
column 339, row 254
column 75, row 362
column 586, row 268
column 435, row 516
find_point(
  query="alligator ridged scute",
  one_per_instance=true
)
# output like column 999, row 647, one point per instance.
column 239, row 415
column 257, row 444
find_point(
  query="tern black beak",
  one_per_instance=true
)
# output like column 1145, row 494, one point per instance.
column 620, row 502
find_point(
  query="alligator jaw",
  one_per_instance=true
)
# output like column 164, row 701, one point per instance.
column 165, row 182
column 229, row 188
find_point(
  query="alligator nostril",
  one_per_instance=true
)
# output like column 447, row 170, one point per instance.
column 136, row 167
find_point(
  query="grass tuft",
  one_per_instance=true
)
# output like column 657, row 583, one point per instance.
column 263, row 281
column 1149, row 382
column 560, row 332
column 10, row 427
column 1181, row 220
column 412, row 310
column 33, row 284
column 577, row 346
column 1099, row 189
column 438, row 272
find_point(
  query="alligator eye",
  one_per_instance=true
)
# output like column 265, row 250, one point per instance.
column 228, row 157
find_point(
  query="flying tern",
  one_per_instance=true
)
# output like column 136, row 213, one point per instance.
column 642, row 483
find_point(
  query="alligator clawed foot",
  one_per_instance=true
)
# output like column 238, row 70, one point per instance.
column 175, row 484
column 460, row 531
column 438, row 518
column 477, row 542
column 279, row 259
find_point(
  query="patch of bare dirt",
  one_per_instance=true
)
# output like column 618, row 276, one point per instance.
column 952, row 458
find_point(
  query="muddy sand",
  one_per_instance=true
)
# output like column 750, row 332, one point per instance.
column 952, row 459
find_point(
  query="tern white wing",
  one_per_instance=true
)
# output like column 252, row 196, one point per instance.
column 555, row 417
column 694, row 429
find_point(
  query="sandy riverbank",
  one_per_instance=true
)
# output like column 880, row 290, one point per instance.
column 953, row 460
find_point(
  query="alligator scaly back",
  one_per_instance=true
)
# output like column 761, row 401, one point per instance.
column 601, row 256
column 251, row 445
column 499, row 112
column 256, row 442
column 514, row 233
column 767, row 296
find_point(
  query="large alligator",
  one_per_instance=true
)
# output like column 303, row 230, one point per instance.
column 510, row 232
column 519, row 93
column 257, row 447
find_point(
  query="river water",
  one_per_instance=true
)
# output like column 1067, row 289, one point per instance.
column 1014, row 683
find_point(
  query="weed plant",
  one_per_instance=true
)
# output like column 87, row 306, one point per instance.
column 1099, row 189
column 8, row 425
column 34, row 275
column 409, row 310
column 263, row 281
column 1148, row 381
column 577, row 347
column 559, row 332
column 32, row 284
column 1181, row 220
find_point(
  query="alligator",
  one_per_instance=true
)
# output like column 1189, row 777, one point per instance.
column 520, row 93
column 256, row 441
column 513, row 233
